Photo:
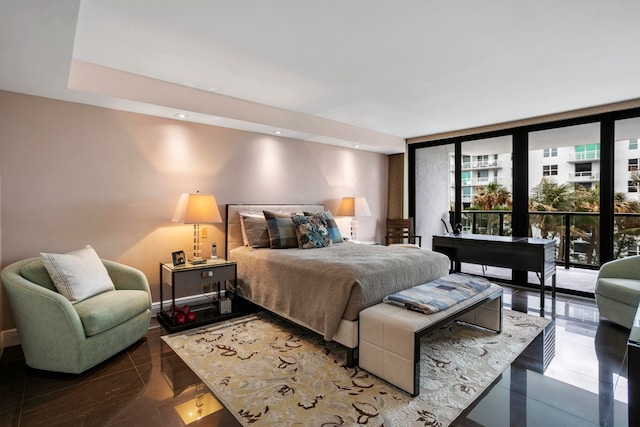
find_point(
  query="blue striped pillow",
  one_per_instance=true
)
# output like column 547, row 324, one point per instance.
column 282, row 231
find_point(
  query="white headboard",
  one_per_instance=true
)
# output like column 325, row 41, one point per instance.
column 233, row 230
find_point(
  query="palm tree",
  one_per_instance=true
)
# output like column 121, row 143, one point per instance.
column 492, row 196
column 588, row 226
column 550, row 196
column 627, row 227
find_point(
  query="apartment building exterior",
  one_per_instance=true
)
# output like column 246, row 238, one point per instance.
column 577, row 165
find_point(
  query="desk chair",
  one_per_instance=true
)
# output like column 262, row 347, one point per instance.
column 400, row 231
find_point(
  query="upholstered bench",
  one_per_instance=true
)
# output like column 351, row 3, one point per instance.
column 389, row 336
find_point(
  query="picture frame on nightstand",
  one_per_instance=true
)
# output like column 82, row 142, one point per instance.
column 179, row 258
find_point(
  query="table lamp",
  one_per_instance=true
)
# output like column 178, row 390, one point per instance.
column 354, row 207
column 196, row 209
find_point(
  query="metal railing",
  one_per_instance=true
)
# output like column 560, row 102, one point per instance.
column 583, row 176
column 577, row 244
column 481, row 164
column 474, row 182
column 581, row 156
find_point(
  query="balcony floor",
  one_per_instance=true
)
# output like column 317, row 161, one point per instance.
column 572, row 279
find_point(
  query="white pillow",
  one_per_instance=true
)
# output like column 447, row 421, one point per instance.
column 78, row 275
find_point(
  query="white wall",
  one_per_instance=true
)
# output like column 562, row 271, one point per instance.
column 432, row 191
column 73, row 175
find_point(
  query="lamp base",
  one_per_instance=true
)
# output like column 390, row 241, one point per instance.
column 354, row 227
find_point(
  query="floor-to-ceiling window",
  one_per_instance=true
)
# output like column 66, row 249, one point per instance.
column 564, row 191
column 561, row 177
column 626, row 237
column 487, row 192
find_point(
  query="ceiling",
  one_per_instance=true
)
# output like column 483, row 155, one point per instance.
column 360, row 72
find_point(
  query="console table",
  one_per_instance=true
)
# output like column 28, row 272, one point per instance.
column 516, row 253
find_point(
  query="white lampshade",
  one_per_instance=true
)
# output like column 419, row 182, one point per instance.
column 354, row 206
column 197, row 209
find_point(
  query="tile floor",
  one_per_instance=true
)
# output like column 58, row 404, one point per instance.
column 147, row 385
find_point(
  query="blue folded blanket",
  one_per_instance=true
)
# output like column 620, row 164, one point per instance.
column 440, row 294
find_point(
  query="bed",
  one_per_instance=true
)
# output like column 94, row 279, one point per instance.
column 324, row 289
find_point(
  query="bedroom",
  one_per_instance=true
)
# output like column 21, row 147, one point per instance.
column 116, row 176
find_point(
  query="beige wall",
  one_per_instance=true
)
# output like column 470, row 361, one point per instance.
column 72, row 175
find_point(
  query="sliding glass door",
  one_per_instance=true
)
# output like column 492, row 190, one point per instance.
column 626, row 203
column 486, row 201
column 575, row 181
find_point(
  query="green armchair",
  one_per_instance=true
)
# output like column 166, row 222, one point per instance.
column 618, row 290
column 57, row 335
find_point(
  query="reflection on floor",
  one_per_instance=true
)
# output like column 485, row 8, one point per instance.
column 575, row 279
column 585, row 383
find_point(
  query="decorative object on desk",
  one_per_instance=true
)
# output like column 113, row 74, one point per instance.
column 179, row 258
column 458, row 229
column 196, row 209
column 354, row 207
column 264, row 370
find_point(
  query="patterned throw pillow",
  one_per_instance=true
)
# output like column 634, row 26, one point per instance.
column 332, row 226
column 282, row 231
column 311, row 231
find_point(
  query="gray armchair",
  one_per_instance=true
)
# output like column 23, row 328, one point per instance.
column 618, row 290
column 59, row 336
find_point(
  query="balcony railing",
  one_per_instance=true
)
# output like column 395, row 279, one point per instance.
column 481, row 164
column 584, row 156
column 474, row 182
column 583, row 176
column 582, row 250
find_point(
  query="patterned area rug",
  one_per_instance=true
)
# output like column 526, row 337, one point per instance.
column 268, row 372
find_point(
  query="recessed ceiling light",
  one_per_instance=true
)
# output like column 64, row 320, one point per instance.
column 278, row 132
column 181, row 116
column 357, row 145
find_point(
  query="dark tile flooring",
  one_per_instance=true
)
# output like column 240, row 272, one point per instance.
column 148, row 385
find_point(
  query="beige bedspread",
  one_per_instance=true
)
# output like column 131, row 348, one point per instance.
column 318, row 287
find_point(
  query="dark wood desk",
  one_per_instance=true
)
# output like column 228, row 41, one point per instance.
column 516, row 253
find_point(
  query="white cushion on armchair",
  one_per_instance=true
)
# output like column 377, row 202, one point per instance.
column 79, row 274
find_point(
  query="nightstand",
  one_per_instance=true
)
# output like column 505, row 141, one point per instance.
column 214, row 285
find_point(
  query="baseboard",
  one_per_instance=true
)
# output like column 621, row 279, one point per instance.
column 10, row 336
